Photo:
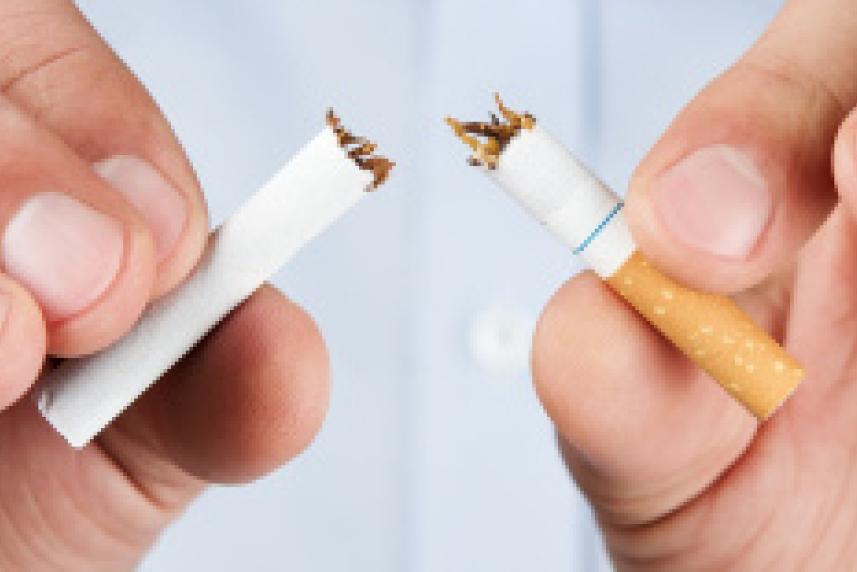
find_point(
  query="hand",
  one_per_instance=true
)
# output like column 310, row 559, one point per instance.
column 82, row 255
column 737, row 197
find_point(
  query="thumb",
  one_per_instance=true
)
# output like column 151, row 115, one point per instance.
column 742, row 177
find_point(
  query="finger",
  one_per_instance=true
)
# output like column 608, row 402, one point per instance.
column 845, row 162
column 22, row 341
column 57, row 68
column 250, row 398
column 81, row 250
column 646, row 429
column 742, row 177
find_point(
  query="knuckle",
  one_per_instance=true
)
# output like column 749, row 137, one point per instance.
column 34, row 39
column 805, row 95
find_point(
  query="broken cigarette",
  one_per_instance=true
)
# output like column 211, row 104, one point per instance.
column 573, row 204
column 317, row 186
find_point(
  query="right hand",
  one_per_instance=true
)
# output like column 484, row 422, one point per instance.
column 738, row 198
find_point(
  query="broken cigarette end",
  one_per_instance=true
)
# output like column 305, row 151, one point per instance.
column 360, row 150
column 487, row 140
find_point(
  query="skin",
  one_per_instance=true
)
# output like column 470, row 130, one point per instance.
column 679, row 475
column 681, row 478
column 252, row 395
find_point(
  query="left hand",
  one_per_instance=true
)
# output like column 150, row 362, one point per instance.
column 250, row 397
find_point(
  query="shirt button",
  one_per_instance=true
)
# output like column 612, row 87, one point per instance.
column 500, row 338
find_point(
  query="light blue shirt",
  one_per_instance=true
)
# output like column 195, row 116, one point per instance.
column 435, row 455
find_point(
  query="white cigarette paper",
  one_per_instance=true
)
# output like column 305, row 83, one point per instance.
column 317, row 186
column 541, row 174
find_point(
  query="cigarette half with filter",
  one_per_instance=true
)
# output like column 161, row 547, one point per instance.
column 711, row 330
column 318, row 185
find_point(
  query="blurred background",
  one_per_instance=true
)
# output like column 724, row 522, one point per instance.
column 436, row 454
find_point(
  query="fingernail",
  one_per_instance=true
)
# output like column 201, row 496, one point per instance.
column 714, row 200
column 65, row 252
column 162, row 206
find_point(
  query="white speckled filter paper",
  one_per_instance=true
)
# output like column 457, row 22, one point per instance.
column 313, row 189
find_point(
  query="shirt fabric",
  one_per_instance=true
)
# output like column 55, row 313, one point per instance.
column 435, row 454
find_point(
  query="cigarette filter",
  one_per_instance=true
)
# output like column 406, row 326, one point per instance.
column 318, row 185
column 540, row 173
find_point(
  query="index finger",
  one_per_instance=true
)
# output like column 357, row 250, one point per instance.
column 55, row 66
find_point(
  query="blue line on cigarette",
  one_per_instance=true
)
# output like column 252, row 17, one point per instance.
column 588, row 240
